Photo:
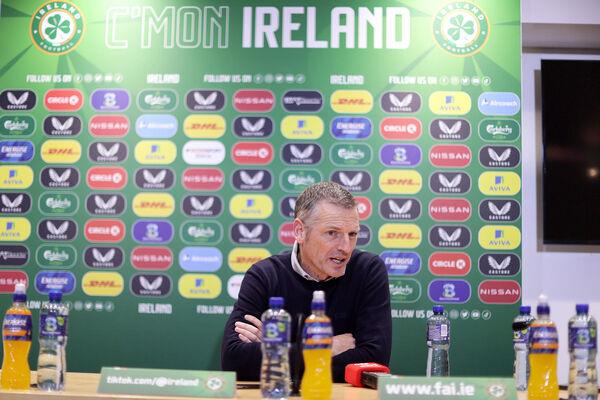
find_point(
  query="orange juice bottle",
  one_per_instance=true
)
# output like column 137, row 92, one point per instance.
column 543, row 382
column 16, row 341
column 317, row 382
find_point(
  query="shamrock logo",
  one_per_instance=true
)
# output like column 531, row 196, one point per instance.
column 55, row 24
column 458, row 25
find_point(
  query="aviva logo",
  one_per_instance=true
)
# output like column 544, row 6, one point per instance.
column 302, row 127
column 102, row 284
column 499, row 237
column 400, row 236
column 450, row 103
column 251, row 206
column 14, row 229
column 153, row 204
column 351, row 101
column 499, row 183
column 15, row 177
column 393, row 181
column 155, row 152
column 240, row 260
column 204, row 126
column 199, row 286
column 61, row 151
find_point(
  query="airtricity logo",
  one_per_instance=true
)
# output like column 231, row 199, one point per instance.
column 461, row 28
column 57, row 27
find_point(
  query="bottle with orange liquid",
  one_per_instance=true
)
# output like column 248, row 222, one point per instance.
column 317, row 382
column 543, row 382
column 16, row 341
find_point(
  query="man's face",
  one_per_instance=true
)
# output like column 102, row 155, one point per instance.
column 327, row 238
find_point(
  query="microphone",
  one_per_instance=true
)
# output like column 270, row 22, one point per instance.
column 365, row 374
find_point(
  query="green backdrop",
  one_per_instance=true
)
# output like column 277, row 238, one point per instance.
column 413, row 105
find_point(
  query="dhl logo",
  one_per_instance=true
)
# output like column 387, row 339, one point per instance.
column 351, row 101
column 102, row 284
column 400, row 236
column 61, row 151
column 153, row 204
column 204, row 126
column 240, row 259
column 400, row 182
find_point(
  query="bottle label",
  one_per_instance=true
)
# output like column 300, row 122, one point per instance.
column 17, row 327
column 275, row 331
column 520, row 333
column 438, row 332
column 582, row 338
column 544, row 339
column 53, row 326
column 318, row 335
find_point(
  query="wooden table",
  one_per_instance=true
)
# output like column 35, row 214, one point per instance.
column 82, row 386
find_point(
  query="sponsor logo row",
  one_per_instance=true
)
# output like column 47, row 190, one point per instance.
column 112, row 284
column 259, row 100
column 68, row 151
column 159, row 204
column 391, row 181
column 454, row 291
column 299, row 127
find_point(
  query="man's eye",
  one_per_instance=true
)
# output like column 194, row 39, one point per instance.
column 353, row 234
column 331, row 233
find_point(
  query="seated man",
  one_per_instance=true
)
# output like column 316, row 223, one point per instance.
column 323, row 258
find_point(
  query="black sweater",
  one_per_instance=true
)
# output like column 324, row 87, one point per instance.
column 357, row 303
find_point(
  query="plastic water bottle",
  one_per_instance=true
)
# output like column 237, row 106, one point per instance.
column 275, row 370
column 51, row 368
column 543, row 352
column 520, row 328
column 583, row 379
column 438, row 342
column 16, row 341
column 317, row 382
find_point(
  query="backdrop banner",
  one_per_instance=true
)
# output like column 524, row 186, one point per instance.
column 150, row 152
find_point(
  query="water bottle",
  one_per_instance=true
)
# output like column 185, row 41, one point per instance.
column 51, row 368
column 16, row 341
column 543, row 352
column 520, row 328
column 438, row 342
column 275, row 370
column 317, row 382
column 583, row 380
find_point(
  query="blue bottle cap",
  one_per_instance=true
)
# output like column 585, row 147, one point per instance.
column 582, row 308
column 437, row 309
column 525, row 310
column 55, row 296
column 543, row 309
column 275, row 302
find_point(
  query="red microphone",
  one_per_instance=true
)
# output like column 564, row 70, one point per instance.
column 365, row 374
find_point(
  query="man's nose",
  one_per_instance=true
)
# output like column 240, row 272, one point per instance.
column 345, row 244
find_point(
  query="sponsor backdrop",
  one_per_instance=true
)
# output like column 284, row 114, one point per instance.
column 150, row 153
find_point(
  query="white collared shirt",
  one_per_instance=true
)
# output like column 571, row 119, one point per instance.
column 298, row 268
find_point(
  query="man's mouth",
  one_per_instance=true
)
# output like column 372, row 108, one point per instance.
column 338, row 260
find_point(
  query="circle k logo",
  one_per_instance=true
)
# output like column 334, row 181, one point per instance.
column 256, row 153
column 63, row 100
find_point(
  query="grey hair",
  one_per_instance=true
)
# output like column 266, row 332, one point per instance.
column 330, row 192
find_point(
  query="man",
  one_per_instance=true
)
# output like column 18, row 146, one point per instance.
column 323, row 258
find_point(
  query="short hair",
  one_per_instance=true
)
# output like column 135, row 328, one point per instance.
column 330, row 192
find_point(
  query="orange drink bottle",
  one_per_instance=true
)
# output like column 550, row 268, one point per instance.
column 543, row 382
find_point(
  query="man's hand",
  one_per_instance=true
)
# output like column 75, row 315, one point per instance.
column 341, row 343
column 251, row 332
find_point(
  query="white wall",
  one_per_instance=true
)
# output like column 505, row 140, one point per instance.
column 569, row 276
column 560, row 11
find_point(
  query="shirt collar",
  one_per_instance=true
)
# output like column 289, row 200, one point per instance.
column 298, row 268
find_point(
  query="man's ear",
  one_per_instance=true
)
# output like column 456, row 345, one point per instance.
column 299, row 230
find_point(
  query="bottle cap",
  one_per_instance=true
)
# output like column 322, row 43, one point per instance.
column 275, row 302
column 543, row 308
column 525, row 309
column 55, row 296
column 20, row 288
column 19, row 294
column 318, row 300
column 582, row 308
column 438, row 309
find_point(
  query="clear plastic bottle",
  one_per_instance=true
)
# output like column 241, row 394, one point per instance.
column 52, row 368
column 275, row 370
column 438, row 343
column 16, row 341
column 520, row 329
column 317, row 382
column 543, row 382
column 583, row 379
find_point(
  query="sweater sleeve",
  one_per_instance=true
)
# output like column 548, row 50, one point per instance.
column 373, row 333
column 245, row 358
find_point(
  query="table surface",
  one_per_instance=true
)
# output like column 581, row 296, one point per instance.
column 82, row 386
